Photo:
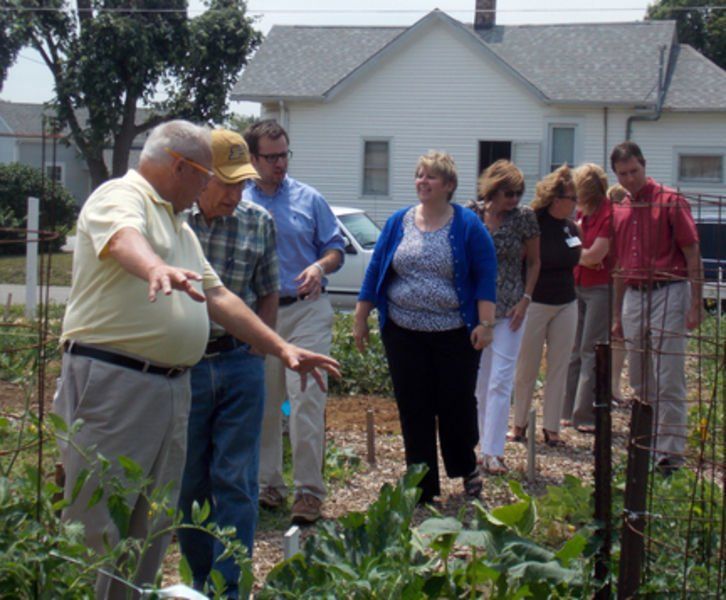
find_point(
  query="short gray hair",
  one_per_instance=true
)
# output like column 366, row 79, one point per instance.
column 186, row 138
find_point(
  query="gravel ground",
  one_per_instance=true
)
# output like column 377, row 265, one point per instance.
column 346, row 418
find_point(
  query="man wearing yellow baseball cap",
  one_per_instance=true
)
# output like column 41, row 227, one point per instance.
column 238, row 239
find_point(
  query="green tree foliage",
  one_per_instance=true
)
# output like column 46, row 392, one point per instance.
column 57, row 208
column 240, row 122
column 704, row 28
column 107, row 57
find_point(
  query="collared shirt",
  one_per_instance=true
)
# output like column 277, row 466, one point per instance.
column 306, row 228
column 108, row 306
column 650, row 231
column 597, row 225
column 241, row 248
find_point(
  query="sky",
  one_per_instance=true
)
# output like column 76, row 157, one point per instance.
column 30, row 81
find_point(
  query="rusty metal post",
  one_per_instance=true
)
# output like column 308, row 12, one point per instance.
column 632, row 539
column 371, row 437
column 603, row 466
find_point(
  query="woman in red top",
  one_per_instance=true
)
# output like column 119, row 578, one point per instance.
column 592, row 276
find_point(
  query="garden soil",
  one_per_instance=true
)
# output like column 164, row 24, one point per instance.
column 346, row 426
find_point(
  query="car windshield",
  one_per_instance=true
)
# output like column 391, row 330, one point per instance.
column 362, row 228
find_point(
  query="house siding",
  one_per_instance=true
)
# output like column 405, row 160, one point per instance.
column 661, row 141
column 441, row 90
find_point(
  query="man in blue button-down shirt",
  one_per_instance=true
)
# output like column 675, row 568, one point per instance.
column 309, row 246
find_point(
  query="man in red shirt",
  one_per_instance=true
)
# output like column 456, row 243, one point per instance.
column 657, row 296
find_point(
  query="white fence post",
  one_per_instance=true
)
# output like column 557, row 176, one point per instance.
column 31, row 258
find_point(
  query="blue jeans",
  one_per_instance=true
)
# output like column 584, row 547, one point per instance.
column 223, row 452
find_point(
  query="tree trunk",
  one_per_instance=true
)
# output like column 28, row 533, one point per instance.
column 124, row 139
column 97, row 169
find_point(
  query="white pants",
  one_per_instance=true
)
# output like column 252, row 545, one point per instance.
column 494, row 386
column 659, row 377
column 308, row 324
column 556, row 325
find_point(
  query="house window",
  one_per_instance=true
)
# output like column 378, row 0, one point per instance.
column 54, row 173
column 562, row 146
column 701, row 168
column 375, row 168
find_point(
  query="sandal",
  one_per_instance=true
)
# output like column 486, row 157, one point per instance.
column 473, row 484
column 494, row 465
column 518, row 434
column 552, row 442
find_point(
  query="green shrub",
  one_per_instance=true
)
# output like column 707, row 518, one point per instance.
column 363, row 373
column 58, row 208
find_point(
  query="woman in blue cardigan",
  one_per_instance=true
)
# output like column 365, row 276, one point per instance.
column 432, row 278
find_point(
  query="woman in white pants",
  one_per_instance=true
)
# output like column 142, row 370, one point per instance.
column 553, row 313
column 515, row 233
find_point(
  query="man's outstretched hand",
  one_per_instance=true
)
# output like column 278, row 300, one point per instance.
column 306, row 362
column 164, row 278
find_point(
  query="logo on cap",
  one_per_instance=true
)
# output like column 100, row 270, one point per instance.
column 236, row 152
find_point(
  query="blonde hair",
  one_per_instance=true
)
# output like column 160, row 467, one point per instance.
column 617, row 193
column 440, row 164
column 591, row 184
column 552, row 186
column 498, row 175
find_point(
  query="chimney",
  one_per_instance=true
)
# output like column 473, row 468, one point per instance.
column 485, row 16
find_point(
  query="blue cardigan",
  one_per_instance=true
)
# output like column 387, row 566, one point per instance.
column 475, row 264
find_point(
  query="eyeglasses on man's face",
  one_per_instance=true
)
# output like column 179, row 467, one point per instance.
column 573, row 198
column 192, row 163
column 513, row 193
column 273, row 158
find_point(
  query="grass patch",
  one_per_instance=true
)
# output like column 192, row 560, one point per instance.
column 12, row 269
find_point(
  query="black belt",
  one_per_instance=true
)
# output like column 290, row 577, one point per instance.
column 288, row 300
column 122, row 361
column 225, row 343
column 653, row 285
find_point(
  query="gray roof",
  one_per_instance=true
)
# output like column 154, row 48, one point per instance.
column 697, row 84
column 613, row 63
column 25, row 118
column 305, row 62
column 597, row 63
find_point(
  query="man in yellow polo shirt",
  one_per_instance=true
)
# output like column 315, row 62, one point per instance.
column 127, row 349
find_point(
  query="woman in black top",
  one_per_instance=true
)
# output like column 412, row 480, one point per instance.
column 552, row 317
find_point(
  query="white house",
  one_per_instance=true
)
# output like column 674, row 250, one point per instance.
column 362, row 103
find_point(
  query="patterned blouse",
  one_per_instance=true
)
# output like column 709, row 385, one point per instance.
column 519, row 225
column 421, row 296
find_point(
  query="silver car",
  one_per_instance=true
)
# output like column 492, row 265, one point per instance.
column 361, row 234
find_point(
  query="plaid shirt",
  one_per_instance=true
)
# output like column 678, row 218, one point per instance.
column 241, row 248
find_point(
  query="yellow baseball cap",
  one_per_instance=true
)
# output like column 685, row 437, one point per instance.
column 231, row 157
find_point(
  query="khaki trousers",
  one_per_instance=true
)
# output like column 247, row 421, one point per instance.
column 134, row 414
column 308, row 324
column 556, row 326
column 658, row 375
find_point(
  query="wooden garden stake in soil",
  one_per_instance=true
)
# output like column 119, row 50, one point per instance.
column 371, row 437
column 531, row 455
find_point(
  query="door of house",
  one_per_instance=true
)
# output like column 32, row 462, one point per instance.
column 492, row 151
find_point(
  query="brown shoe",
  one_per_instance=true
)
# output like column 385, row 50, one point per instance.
column 306, row 509
column 271, row 498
